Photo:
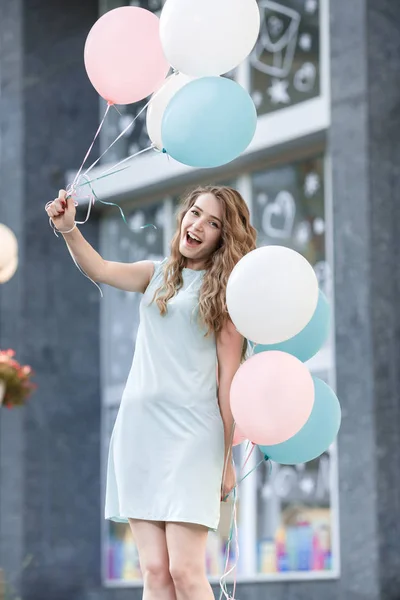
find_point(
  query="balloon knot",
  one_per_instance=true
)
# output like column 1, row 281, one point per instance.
column 266, row 457
column 164, row 151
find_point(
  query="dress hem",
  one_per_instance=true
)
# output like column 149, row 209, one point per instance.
column 121, row 519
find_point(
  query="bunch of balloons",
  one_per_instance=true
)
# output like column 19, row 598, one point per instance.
column 8, row 254
column 198, row 117
column 273, row 299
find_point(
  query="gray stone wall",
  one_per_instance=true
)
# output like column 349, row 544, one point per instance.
column 364, row 144
column 11, row 331
column 50, row 464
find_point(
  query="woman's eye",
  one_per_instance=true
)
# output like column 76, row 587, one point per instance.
column 194, row 212
column 213, row 224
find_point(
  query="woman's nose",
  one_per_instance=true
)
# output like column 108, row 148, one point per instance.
column 198, row 224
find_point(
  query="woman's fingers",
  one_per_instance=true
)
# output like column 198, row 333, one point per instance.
column 56, row 208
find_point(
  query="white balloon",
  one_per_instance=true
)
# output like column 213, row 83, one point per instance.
column 9, row 271
column 8, row 246
column 208, row 37
column 272, row 294
column 159, row 103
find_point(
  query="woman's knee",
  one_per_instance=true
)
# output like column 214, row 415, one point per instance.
column 186, row 575
column 156, row 574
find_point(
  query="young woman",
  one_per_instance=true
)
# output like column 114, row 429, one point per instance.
column 171, row 442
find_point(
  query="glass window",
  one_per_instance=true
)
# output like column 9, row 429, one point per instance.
column 285, row 63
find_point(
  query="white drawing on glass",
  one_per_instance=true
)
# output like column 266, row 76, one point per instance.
column 262, row 199
column 275, row 25
column 154, row 4
column 125, row 123
column 257, row 98
column 323, row 477
column 137, row 220
column 284, row 481
column 274, row 51
column 305, row 42
column 151, row 238
column 324, row 277
column 278, row 91
column 302, row 234
column 312, row 184
column 319, row 226
column 133, row 148
column 307, row 485
column 311, row 6
column 266, row 491
column 304, row 78
column 137, row 133
column 278, row 216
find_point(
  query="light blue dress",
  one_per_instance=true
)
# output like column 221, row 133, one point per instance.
column 167, row 447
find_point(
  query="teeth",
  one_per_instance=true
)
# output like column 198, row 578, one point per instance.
column 193, row 237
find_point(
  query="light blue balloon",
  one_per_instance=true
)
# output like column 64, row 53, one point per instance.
column 209, row 122
column 310, row 340
column 317, row 434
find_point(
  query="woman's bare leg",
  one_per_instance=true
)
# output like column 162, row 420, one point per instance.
column 154, row 560
column 186, row 545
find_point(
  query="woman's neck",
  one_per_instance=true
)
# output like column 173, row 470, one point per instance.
column 194, row 265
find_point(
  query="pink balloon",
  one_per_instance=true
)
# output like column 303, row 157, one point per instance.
column 238, row 437
column 123, row 55
column 272, row 396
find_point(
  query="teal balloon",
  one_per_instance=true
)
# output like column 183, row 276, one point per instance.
column 310, row 340
column 209, row 122
column 317, row 434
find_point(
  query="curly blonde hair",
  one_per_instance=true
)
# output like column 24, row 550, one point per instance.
column 238, row 237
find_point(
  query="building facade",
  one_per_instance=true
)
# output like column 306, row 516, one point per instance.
column 320, row 176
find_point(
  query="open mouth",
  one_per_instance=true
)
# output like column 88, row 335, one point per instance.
column 192, row 239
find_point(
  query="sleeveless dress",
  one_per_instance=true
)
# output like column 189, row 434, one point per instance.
column 167, row 447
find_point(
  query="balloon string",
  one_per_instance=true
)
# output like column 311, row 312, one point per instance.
column 91, row 146
column 233, row 530
column 82, row 271
column 265, row 458
column 109, row 104
column 126, row 129
column 249, row 455
column 110, row 171
column 123, row 132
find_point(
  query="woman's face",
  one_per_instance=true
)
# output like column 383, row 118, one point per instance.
column 201, row 231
